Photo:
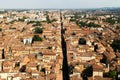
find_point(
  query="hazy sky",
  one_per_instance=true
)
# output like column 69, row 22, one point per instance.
column 58, row 3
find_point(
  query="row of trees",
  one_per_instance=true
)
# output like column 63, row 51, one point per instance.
column 37, row 30
column 84, row 24
column 35, row 23
column 109, row 20
column 112, row 20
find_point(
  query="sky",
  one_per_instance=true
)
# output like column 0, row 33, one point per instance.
column 35, row 4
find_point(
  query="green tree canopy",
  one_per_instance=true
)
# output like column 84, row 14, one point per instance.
column 112, row 74
column 116, row 45
column 91, row 24
column 48, row 19
column 83, row 24
column 82, row 41
column 38, row 30
column 37, row 38
column 110, row 20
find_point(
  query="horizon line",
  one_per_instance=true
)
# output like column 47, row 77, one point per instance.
column 61, row 8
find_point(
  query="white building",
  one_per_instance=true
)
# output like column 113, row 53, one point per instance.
column 27, row 40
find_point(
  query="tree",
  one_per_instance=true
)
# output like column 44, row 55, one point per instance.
column 91, row 24
column 72, row 19
column 116, row 45
column 110, row 20
column 48, row 19
column 0, row 29
column 23, row 68
column 17, row 64
column 83, row 24
column 37, row 23
column 82, row 41
column 37, row 38
column 95, row 47
column 38, row 30
column 88, row 72
column 53, row 20
column 113, row 74
column 43, row 70
column 70, row 68
column 104, row 59
column 21, row 20
column 30, row 22
column 76, row 15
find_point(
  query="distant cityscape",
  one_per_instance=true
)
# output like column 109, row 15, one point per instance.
column 60, row 44
column 102, row 8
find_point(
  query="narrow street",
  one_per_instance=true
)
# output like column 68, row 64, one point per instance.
column 65, row 71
